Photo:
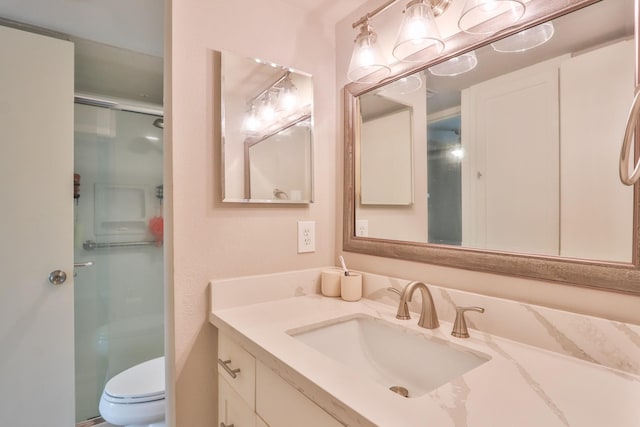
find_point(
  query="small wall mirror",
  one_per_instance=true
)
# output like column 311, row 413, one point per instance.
column 514, row 150
column 267, row 131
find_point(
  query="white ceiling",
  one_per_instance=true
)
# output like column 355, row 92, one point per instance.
column 134, row 25
column 118, row 43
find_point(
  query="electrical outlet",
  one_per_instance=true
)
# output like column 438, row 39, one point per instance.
column 362, row 228
column 306, row 236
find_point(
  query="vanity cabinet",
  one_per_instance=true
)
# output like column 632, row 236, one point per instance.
column 233, row 410
column 236, row 386
column 258, row 397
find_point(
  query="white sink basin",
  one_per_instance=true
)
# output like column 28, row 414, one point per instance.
column 390, row 354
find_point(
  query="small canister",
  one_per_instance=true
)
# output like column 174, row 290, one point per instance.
column 351, row 286
column 330, row 282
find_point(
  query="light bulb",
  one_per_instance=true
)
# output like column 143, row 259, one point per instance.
column 418, row 33
column 416, row 30
column 367, row 62
column 267, row 110
column 288, row 98
column 251, row 123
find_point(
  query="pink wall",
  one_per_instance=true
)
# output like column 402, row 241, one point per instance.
column 216, row 240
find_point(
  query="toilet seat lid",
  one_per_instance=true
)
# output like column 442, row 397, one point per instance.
column 141, row 382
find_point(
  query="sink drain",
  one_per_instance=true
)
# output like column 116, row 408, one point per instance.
column 400, row 390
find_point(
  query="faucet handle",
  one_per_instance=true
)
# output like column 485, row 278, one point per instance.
column 460, row 324
column 394, row 290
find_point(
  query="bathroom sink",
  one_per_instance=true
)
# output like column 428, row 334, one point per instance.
column 395, row 357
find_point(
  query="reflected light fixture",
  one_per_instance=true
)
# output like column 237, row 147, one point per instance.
column 457, row 65
column 418, row 31
column 251, row 123
column 277, row 104
column 457, row 153
column 367, row 62
column 525, row 40
column 489, row 16
column 267, row 108
column 288, row 98
column 403, row 86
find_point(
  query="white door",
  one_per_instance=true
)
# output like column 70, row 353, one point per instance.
column 510, row 132
column 36, row 230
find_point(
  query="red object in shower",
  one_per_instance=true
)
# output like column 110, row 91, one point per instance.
column 156, row 227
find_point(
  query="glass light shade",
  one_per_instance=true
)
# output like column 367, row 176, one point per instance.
column 288, row 99
column 456, row 65
column 367, row 62
column 490, row 16
column 418, row 32
column 525, row 40
column 251, row 123
column 267, row 109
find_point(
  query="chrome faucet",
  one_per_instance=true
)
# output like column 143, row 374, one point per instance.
column 428, row 315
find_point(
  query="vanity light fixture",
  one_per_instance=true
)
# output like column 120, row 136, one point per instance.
column 456, row 65
column 367, row 62
column 418, row 31
column 419, row 37
column 489, row 16
column 525, row 40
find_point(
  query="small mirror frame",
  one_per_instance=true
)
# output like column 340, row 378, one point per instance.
column 612, row 276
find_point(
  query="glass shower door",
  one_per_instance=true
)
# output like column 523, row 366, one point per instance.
column 117, row 226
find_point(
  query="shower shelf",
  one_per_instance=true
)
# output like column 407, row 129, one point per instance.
column 90, row 245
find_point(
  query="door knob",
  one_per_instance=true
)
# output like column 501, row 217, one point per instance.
column 57, row 277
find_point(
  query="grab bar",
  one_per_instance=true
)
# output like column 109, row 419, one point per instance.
column 625, row 153
column 90, row 245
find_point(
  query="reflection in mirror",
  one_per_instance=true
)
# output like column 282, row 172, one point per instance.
column 267, row 123
column 516, row 144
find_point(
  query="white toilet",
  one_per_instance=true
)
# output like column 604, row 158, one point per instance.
column 135, row 397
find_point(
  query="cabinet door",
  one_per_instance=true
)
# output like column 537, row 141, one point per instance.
column 238, row 358
column 232, row 409
column 280, row 405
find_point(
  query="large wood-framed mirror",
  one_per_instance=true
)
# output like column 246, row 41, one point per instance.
column 515, row 160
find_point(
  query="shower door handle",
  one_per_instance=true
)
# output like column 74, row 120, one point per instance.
column 83, row 264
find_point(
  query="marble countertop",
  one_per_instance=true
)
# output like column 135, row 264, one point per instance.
column 519, row 386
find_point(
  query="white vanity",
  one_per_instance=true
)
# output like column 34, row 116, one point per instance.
column 557, row 368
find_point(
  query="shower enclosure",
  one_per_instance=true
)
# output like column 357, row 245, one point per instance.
column 117, row 245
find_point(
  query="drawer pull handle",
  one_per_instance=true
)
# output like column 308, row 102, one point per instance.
column 225, row 364
column 224, row 425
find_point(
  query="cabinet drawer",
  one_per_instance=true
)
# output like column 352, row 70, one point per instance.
column 281, row 405
column 232, row 409
column 234, row 358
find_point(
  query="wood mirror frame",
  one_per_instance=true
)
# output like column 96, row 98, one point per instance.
column 612, row 276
